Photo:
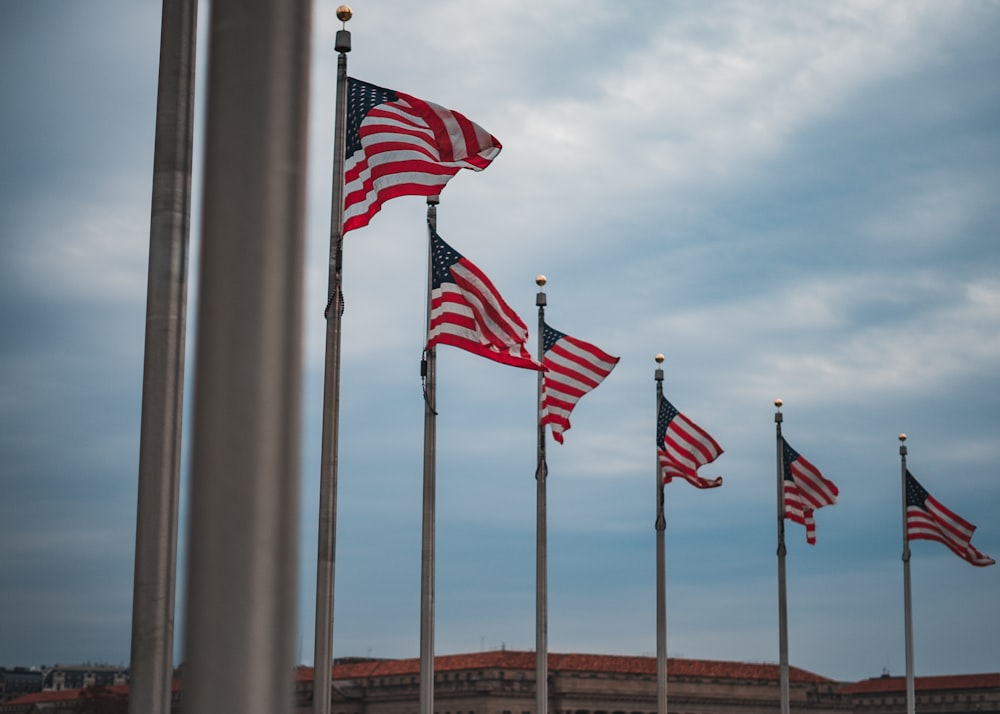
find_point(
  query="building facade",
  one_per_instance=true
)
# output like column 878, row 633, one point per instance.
column 18, row 681
column 503, row 682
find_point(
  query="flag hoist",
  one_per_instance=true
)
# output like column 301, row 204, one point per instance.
column 682, row 447
column 926, row 518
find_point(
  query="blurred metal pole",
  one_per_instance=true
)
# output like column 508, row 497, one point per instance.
column 243, row 532
column 541, row 530
column 661, row 563
column 155, row 575
column 907, row 602
column 326, row 547
column 428, row 370
column 782, row 592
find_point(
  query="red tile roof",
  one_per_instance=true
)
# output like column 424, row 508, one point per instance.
column 69, row 695
column 609, row 664
column 898, row 684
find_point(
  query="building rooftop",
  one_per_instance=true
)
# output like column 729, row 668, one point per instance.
column 609, row 664
column 887, row 685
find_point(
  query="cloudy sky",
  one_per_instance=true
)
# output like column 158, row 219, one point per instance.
column 795, row 200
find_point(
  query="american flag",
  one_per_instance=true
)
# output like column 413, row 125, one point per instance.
column 683, row 447
column 468, row 312
column 927, row 519
column 572, row 368
column 805, row 490
column 398, row 145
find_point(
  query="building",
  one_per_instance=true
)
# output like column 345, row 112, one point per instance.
column 503, row 682
column 18, row 681
column 954, row 694
column 81, row 676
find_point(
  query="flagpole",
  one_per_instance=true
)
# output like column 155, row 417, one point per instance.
column 155, row 574
column 243, row 528
column 661, row 568
column 907, row 606
column 327, row 526
column 428, row 370
column 782, row 596
column 541, row 531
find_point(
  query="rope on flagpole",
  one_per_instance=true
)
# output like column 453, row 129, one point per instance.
column 782, row 597
column 329, row 457
column 661, row 557
column 907, row 602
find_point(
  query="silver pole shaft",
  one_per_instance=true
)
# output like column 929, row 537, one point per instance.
column 661, row 573
column 782, row 590
column 427, row 532
column 326, row 548
column 243, row 531
column 155, row 575
column 907, row 604
column 541, row 539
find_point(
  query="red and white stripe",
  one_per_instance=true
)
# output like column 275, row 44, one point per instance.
column 410, row 147
column 572, row 368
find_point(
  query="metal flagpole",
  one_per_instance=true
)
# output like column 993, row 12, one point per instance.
column 782, row 596
column 541, row 531
column 907, row 607
column 661, row 568
column 327, row 527
column 244, row 502
column 428, row 370
column 155, row 575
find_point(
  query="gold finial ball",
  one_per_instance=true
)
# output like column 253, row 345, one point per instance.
column 902, row 437
column 778, row 403
column 540, row 280
column 344, row 13
column 659, row 358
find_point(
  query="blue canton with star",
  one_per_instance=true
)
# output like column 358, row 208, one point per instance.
column 915, row 493
column 443, row 256
column 550, row 337
column 361, row 99
column 789, row 455
column 666, row 415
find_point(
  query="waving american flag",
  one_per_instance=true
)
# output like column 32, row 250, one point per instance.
column 928, row 519
column 572, row 368
column 398, row 145
column 683, row 447
column 805, row 489
column 468, row 312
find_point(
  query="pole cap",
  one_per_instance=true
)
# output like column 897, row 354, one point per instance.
column 659, row 358
column 778, row 402
column 540, row 280
column 344, row 13
column 902, row 438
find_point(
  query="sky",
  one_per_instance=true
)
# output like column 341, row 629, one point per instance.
column 794, row 200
